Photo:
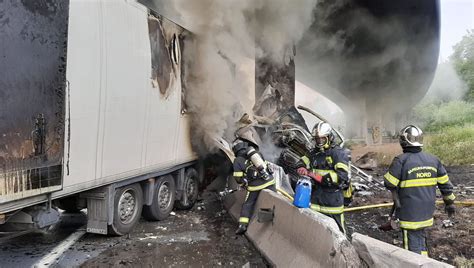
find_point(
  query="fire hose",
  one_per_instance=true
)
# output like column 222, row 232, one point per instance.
column 285, row 194
column 459, row 203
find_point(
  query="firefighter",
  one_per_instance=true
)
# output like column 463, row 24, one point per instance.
column 251, row 172
column 328, row 165
column 412, row 178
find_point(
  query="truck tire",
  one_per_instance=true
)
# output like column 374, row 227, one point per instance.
column 163, row 199
column 190, row 191
column 128, row 204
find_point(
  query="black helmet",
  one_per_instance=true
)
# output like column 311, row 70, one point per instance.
column 411, row 136
column 322, row 133
column 239, row 147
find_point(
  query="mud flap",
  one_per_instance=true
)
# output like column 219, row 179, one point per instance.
column 180, row 181
column 98, row 209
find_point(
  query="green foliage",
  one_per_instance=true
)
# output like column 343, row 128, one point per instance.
column 449, row 130
column 435, row 117
column 453, row 145
column 448, row 123
column 463, row 60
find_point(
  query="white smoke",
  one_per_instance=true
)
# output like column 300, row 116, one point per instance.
column 227, row 36
column 446, row 86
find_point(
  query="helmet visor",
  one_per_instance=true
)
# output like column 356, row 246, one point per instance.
column 414, row 139
column 411, row 136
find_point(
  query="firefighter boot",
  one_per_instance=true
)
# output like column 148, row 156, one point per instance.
column 242, row 229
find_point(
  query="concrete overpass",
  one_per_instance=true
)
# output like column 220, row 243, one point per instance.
column 376, row 59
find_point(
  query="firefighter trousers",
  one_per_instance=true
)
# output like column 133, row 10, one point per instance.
column 339, row 218
column 415, row 240
column 249, row 204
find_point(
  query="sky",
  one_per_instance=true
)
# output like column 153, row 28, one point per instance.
column 456, row 17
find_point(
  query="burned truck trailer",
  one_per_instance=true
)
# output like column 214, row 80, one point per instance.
column 91, row 114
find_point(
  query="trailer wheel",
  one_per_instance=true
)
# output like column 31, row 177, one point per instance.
column 190, row 191
column 163, row 199
column 128, row 203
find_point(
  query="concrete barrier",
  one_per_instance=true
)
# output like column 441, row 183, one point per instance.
column 304, row 238
column 376, row 253
column 296, row 237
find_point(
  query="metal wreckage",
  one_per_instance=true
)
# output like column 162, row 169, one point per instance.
column 290, row 139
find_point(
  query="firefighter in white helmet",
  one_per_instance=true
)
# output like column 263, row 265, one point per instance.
column 328, row 165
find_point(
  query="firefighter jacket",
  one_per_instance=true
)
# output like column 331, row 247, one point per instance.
column 246, row 173
column 332, row 164
column 415, row 175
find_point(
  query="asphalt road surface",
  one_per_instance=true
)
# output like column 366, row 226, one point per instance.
column 201, row 237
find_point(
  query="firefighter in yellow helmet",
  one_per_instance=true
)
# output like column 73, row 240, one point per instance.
column 328, row 165
column 412, row 178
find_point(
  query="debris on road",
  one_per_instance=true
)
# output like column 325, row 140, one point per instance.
column 198, row 237
column 448, row 223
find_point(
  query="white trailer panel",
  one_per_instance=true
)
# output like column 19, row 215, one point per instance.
column 122, row 100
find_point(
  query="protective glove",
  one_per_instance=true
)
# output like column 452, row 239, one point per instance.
column 315, row 177
column 266, row 176
column 304, row 172
column 450, row 209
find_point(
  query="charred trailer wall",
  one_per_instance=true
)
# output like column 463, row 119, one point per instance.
column 32, row 96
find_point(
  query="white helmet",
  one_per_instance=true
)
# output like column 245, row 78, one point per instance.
column 411, row 136
column 322, row 133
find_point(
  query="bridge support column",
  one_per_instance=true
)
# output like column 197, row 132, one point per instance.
column 369, row 121
column 356, row 121
column 374, row 115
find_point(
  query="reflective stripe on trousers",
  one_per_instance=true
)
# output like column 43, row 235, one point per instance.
column 414, row 225
column 335, row 213
column 415, row 241
column 327, row 210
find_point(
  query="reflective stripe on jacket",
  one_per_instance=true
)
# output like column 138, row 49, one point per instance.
column 244, row 169
column 328, row 198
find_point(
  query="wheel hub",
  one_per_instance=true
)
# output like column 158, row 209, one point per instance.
column 164, row 196
column 127, row 206
column 190, row 189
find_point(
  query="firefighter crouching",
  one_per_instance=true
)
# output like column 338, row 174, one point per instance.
column 251, row 172
column 412, row 178
column 328, row 166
